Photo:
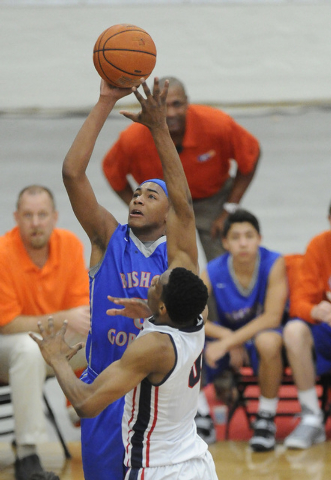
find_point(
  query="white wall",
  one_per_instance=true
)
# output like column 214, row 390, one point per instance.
column 226, row 53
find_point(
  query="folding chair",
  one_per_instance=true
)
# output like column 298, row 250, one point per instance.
column 248, row 396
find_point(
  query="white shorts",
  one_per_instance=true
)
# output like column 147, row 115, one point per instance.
column 196, row 469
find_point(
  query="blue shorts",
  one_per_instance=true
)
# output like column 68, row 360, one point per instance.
column 321, row 333
column 224, row 363
column 101, row 438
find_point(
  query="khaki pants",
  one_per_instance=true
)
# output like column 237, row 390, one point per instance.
column 23, row 367
column 206, row 211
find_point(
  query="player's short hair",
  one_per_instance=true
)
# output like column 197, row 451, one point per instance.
column 330, row 210
column 185, row 296
column 240, row 216
column 34, row 190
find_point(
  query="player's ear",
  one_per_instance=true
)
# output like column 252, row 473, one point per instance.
column 162, row 309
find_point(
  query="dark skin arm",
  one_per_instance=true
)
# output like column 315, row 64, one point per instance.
column 151, row 356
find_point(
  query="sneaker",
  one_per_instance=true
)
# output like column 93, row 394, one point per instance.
column 309, row 431
column 263, row 438
column 205, row 428
column 26, row 466
column 44, row 476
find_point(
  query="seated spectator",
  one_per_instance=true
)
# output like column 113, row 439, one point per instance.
column 307, row 337
column 249, row 285
column 43, row 274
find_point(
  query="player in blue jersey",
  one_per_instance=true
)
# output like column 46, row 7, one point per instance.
column 124, row 261
column 249, row 286
column 160, row 370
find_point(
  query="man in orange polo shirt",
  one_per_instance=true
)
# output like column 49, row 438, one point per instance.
column 206, row 140
column 307, row 337
column 43, row 273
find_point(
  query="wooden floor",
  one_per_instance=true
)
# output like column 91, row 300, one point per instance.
column 233, row 459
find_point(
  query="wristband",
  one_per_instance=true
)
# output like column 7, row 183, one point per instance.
column 230, row 207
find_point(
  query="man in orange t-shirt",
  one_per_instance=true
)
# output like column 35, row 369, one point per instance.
column 307, row 336
column 43, row 273
column 206, row 139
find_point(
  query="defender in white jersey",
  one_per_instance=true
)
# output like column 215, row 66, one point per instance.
column 151, row 435
column 160, row 369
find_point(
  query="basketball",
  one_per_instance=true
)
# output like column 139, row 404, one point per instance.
column 123, row 54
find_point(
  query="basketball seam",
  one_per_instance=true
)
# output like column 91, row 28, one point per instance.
column 122, row 50
column 133, row 30
column 124, row 71
column 119, row 69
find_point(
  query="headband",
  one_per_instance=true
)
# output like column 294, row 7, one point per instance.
column 161, row 183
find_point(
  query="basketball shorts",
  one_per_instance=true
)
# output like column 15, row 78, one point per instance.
column 195, row 469
column 224, row 363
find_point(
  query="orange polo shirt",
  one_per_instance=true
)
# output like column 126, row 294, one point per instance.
column 314, row 278
column 212, row 138
column 26, row 289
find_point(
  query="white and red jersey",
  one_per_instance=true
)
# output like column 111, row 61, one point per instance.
column 158, row 423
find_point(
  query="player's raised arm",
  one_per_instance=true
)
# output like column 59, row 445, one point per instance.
column 181, row 236
column 98, row 223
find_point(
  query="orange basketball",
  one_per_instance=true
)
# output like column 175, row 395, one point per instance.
column 123, row 54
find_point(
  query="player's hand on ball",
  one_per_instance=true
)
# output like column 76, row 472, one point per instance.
column 107, row 90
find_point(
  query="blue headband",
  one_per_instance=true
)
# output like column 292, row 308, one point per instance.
column 161, row 183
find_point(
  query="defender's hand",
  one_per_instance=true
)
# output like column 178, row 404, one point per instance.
column 52, row 344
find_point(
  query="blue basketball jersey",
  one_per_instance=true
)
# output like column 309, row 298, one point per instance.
column 126, row 270
column 237, row 306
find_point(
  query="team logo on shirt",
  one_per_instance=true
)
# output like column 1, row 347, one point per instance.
column 120, row 338
column 206, row 156
column 244, row 315
column 137, row 279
